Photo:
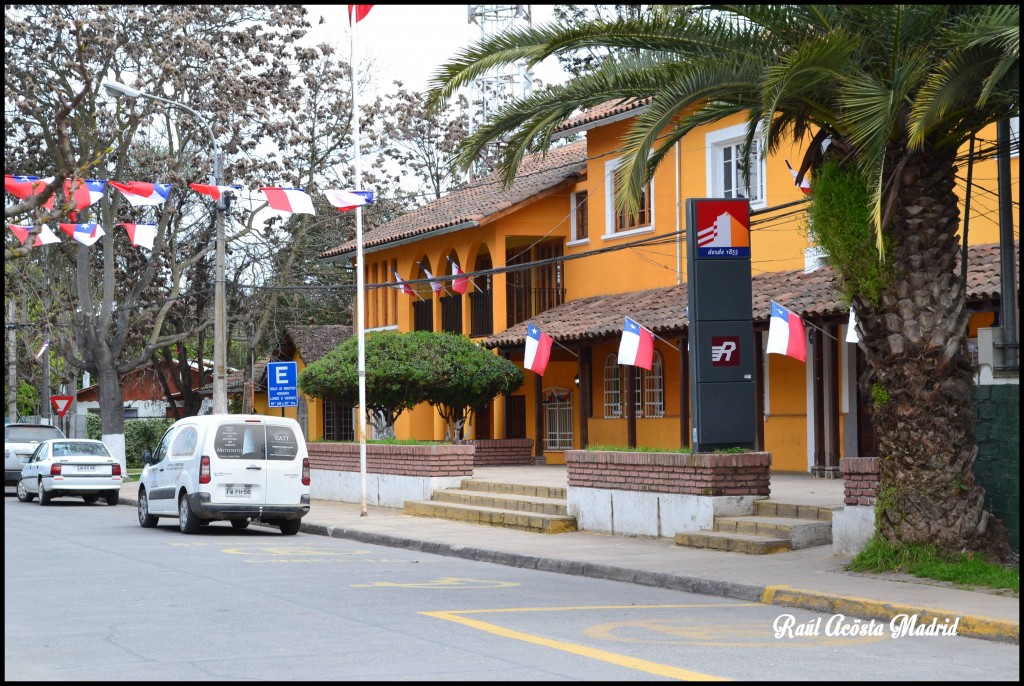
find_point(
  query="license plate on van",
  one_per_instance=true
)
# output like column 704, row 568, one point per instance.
column 238, row 491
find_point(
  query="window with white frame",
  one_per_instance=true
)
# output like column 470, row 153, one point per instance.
column 618, row 221
column 725, row 168
column 557, row 419
column 580, row 230
column 654, row 389
column 612, row 387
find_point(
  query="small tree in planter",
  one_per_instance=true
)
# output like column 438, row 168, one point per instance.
column 466, row 377
column 396, row 377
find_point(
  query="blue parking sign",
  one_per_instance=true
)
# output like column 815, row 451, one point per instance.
column 282, row 384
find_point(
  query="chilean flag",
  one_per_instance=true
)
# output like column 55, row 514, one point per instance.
column 44, row 237
column 636, row 346
column 80, row 193
column 538, row 349
column 141, row 193
column 292, row 200
column 805, row 185
column 356, row 13
column 786, row 333
column 402, row 285
column 86, row 234
column 214, row 191
column 459, row 283
column 348, row 200
column 141, row 235
column 24, row 187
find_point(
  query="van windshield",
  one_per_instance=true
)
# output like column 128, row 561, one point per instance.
column 255, row 442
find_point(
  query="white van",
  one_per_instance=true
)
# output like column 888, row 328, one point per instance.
column 234, row 467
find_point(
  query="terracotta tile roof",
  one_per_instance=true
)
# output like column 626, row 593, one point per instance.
column 812, row 295
column 471, row 205
column 235, row 378
column 313, row 341
column 598, row 114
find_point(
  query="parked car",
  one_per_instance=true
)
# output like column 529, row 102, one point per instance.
column 236, row 468
column 70, row 467
column 19, row 442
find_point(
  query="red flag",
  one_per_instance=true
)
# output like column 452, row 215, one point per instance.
column 359, row 12
column 460, row 283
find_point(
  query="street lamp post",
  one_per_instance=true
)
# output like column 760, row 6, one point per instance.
column 220, row 388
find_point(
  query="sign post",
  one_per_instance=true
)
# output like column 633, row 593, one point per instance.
column 721, row 337
column 282, row 384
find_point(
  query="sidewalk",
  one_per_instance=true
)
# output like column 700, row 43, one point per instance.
column 810, row 579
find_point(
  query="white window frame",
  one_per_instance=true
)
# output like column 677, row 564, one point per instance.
column 654, row 388
column 716, row 142
column 558, row 431
column 612, row 388
column 574, row 236
column 609, row 204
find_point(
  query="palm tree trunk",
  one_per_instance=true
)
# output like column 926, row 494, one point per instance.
column 920, row 375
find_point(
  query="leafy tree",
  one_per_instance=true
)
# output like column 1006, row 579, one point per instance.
column 896, row 90
column 465, row 377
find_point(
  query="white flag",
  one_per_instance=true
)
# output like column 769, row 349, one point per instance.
column 851, row 328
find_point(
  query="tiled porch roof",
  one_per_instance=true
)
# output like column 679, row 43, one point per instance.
column 611, row 110
column 812, row 295
column 475, row 203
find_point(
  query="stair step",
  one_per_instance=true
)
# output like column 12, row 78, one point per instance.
column 801, row 533
column 491, row 516
column 771, row 508
column 733, row 542
column 515, row 489
column 521, row 503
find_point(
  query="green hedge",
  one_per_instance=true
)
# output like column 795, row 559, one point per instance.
column 139, row 435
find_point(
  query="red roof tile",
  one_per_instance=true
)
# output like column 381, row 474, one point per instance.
column 600, row 113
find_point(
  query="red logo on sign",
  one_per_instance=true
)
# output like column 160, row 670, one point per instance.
column 725, row 351
column 61, row 403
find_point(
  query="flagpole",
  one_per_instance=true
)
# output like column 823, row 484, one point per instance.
column 360, row 333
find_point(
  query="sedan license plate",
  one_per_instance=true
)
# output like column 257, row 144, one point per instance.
column 87, row 468
column 238, row 490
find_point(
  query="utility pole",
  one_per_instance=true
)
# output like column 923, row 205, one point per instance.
column 1007, row 266
column 12, row 363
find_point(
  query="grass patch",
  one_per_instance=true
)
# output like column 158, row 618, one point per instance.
column 963, row 569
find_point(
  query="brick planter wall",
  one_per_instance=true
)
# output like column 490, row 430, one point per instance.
column 660, row 494
column 394, row 473
column 506, row 451
column 708, row 474
column 860, row 475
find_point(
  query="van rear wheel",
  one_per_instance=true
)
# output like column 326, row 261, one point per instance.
column 290, row 527
column 187, row 520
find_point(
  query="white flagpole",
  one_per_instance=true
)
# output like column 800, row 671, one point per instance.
column 360, row 333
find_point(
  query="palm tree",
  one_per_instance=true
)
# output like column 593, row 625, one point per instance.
column 895, row 90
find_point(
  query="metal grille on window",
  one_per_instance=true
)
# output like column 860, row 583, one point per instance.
column 654, row 389
column 557, row 419
column 339, row 423
column 612, row 387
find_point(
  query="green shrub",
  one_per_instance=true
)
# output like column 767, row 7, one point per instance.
column 139, row 435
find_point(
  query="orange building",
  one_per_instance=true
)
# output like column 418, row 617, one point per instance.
column 552, row 250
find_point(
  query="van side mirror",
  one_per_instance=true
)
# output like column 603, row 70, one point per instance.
column 147, row 456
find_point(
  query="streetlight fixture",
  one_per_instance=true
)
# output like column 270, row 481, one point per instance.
column 220, row 387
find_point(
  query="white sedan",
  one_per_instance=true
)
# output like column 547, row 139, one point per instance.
column 70, row 467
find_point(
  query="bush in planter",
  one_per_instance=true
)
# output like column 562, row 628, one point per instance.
column 139, row 435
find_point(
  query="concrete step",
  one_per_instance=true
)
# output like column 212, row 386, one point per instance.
column 770, row 508
column 520, row 503
column 491, row 516
column 733, row 542
column 514, row 489
column 801, row 533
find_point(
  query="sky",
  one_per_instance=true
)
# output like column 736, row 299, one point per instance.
column 409, row 42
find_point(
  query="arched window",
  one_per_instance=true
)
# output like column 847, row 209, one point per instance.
column 654, row 388
column 612, row 387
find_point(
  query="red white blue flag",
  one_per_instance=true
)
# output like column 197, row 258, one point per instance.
column 401, row 285
column 140, row 193
column 80, row 193
column 459, row 283
column 141, row 235
column 86, row 234
column 538, row 349
column 214, row 191
column 24, row 187
column 636, row 346
column 292, row 200
column 805, row 185
column 348, row 200
column 435, row 284
column 786, row 333
column 44, row 237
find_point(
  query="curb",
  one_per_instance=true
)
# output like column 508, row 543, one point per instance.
column 972, row 626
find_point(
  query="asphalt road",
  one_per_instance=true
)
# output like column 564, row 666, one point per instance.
column 90, row 595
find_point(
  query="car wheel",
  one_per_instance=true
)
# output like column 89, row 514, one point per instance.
column 23, row 495
column 187, row 520
column 146, row 520
column 240, row 522
column 290, row 527
column 44, row 497
column 90, row 498
column 113, row 498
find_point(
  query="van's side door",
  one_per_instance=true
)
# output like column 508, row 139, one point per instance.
column 284, row 465
column 160, row 493
column 238, row 463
